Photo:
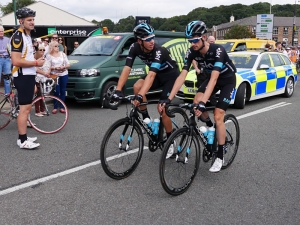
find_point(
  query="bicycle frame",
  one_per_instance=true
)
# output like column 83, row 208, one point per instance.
column 134, row 116
column 193, row 127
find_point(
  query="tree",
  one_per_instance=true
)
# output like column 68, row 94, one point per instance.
column 238, row 32
column 5, row 9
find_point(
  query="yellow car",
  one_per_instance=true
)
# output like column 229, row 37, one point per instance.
column 259, row 75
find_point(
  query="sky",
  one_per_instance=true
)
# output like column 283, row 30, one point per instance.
column 118, row 9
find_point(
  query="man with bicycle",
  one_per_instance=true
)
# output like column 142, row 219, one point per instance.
column 24, row 71
column 163, row 71
column 214, row 59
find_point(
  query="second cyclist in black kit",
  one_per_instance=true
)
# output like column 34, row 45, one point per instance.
column 163, row 71
column 215, row 60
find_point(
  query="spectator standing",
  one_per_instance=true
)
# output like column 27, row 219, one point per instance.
column 76, row 44
column 46, row 44
column 42, row 73
column 293, row 54
column 211, row 39
column 59, row 66
column 24, row 71
column 5, row 62
column 62, row 46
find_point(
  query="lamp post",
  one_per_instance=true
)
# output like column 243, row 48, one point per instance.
column 15, row 12
column 294, row 24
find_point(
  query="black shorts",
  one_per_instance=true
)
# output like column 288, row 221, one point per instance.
column 25, row 87
column 226, row 87
column 166, row 81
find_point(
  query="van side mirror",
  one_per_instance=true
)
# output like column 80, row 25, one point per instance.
column 123, row 54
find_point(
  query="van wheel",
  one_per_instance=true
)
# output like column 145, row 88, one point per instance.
column 289, row 88
column 240, row 97
column 108, row 91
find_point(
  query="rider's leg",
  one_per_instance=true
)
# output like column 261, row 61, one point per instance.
column 167, row 122
column 221, row 130
column 136, row 88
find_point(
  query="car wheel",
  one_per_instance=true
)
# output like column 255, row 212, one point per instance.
column 107, row 91
column 240, row 97
column 289, row 88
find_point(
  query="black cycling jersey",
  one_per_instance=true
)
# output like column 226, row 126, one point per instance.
column 159, row 59
column 216, row 58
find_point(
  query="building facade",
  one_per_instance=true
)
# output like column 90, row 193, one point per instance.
column 282, row 28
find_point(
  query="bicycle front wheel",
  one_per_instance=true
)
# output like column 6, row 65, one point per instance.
column 121, row 149
column 49, row 123
column 5, row 110
column 232, row 139
column 180, row 118
column 178, row 172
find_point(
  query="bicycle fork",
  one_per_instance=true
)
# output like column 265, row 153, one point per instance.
column 186, row 141
column 129, row 138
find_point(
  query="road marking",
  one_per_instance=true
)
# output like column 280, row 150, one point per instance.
column 76, row 169
column 281, row 104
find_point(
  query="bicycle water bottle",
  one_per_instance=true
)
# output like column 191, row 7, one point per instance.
column 156, row 126
column 203, row 130
column 210, row 135
column 149, row 123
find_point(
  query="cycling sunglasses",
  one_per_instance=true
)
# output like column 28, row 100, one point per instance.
column 194, row 40
column 148, row 39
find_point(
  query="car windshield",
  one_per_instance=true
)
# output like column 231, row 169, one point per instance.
column 243, row 60
column 226, row 45
column 98, row 45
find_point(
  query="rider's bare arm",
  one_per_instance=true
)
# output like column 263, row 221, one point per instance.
column 178, row 83
column 123, row 78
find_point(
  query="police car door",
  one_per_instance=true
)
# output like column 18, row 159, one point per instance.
column 265, row 76
column 280, row 71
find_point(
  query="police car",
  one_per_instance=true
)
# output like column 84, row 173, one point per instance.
column 259, row 75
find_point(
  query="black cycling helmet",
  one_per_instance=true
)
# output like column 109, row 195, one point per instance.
column 194, row 28
column 24, row 12
column 143, row 30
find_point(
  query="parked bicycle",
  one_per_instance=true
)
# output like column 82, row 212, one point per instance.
column 123, row 143
column 48, row 123
column 177, row 174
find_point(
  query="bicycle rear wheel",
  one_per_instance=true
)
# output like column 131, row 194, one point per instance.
column 5, row 110
column 232, row 139
column 48, row 123
column 177, row 174
column 121, row 149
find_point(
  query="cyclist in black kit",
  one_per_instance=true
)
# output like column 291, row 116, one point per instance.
column 163, row 71
column 214, row 59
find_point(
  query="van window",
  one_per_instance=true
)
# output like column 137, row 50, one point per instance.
column 162, row 40
column 226, row 45
column 241, row 47
column 126, row 47
column 98, row 45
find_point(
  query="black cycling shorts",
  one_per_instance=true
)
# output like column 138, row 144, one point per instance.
column 166, row 81
column 25, row 87
column 226, row 87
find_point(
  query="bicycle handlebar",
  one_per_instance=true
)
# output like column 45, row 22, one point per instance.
column 189, row 106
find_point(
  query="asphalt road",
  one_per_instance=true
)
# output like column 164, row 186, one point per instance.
column 63, row 183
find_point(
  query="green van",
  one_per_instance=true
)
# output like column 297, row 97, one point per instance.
column 97, row 63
